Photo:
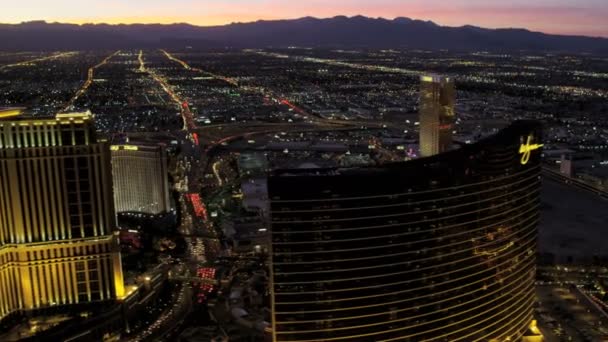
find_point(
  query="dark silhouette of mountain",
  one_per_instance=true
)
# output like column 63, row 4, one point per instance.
column 340, row 31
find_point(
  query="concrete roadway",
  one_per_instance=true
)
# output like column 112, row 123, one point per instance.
column 578, row 319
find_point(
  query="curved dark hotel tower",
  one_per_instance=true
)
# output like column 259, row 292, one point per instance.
column 435, row 249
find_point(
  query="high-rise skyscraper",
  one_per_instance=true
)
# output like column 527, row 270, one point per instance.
column 57, row 245
column 437, row 99
column 435, row 249
column 140, row 179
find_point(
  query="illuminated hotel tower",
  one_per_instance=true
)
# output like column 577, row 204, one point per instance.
column 56, row 217
column 437, row 98
column 140, row 179
column 435, row 249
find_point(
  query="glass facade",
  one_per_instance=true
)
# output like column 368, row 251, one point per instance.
column 439, row 248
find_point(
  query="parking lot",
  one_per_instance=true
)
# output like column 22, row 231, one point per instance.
column 564, row 314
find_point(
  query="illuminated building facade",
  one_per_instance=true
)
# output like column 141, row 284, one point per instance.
column 140, row 179
column 56, row 217
column 10, row 112
column 437, row 99
column 435, row 249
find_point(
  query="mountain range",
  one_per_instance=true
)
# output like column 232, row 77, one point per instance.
column 336, row 32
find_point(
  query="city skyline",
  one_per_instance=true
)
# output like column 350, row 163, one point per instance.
column 340, row 171
column 549, row 16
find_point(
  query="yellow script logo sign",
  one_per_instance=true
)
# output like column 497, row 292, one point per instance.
column 526, row 150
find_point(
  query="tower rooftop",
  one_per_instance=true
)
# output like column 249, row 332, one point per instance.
column 20, row 115
column 10, row 112
column 435, row 78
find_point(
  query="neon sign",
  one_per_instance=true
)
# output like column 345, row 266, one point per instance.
column 526, row 150
column 124, row 147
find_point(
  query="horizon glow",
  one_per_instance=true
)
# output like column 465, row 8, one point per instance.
column 583, row 17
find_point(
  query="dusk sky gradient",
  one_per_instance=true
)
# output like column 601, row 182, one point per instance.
column 580, row 17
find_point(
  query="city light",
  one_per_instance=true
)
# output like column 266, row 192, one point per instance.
column 342, row 179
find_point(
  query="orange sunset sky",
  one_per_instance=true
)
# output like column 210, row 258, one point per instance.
column 581, row 17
